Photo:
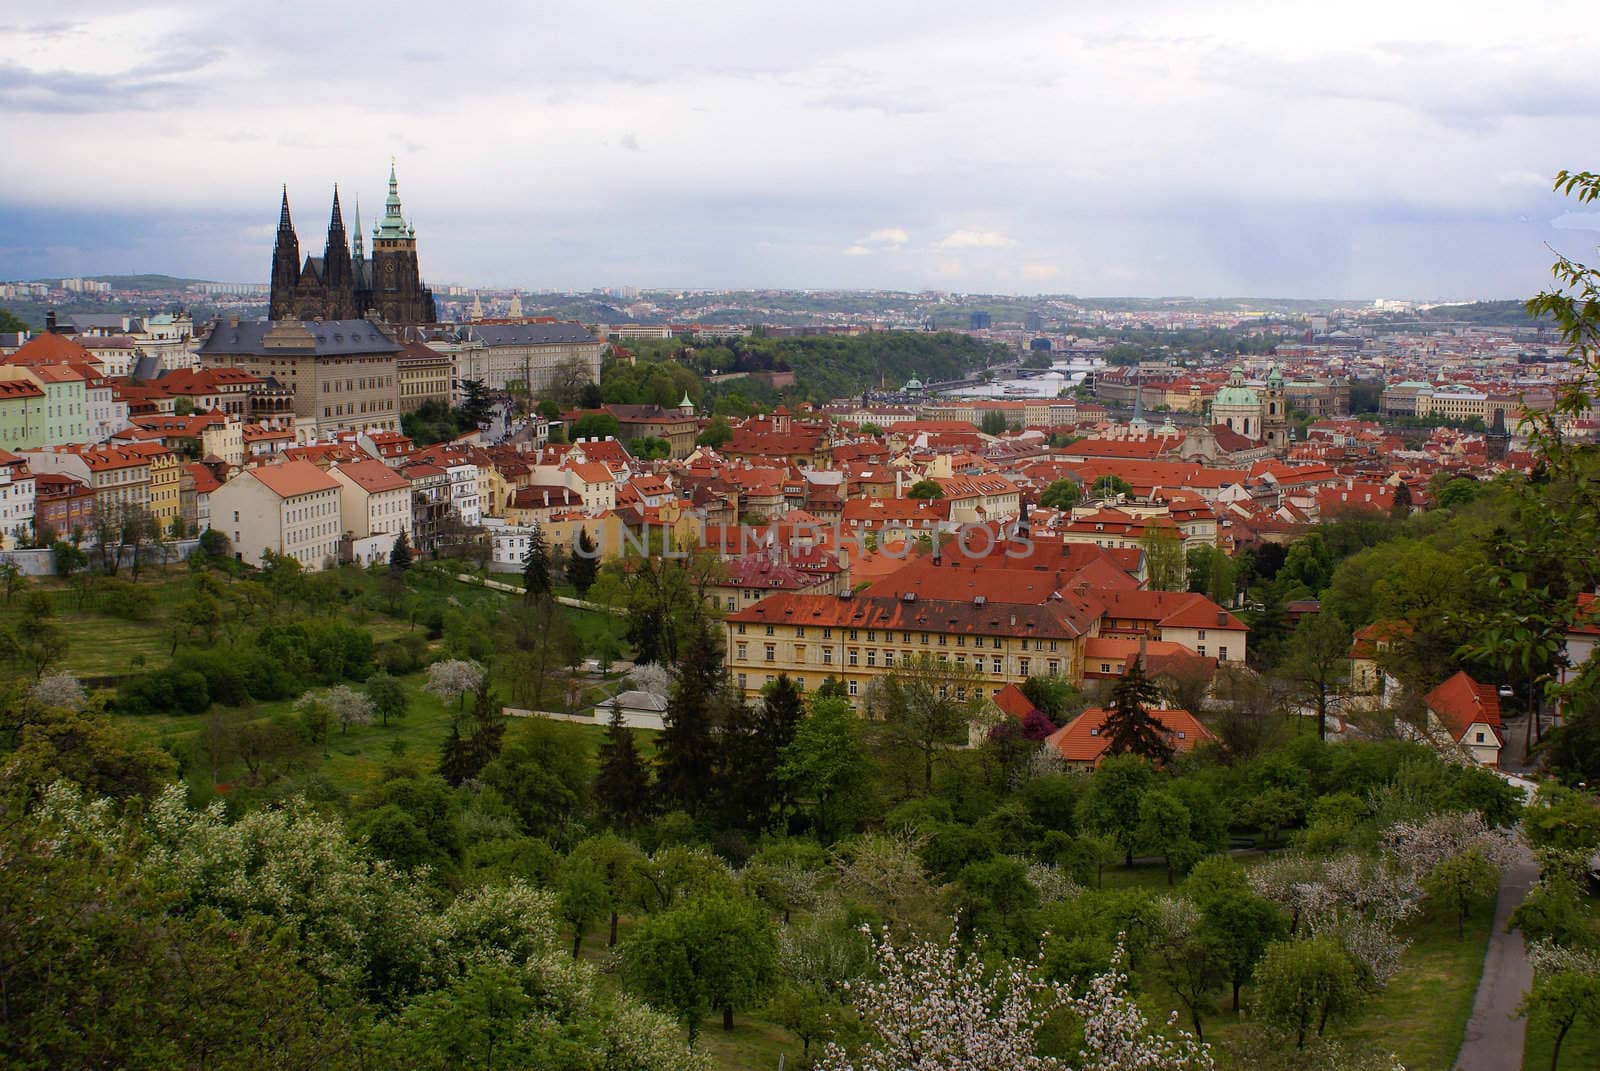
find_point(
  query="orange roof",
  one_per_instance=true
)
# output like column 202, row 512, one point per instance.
column 373, row 477
column 290, row 479
column 205, row 481
column 1081, row 740
column 1170, row 609
column 19, row 388
column 1462, row 702
column 55, row 373
column 1011, row 700
column 50, row 348
column 1588, row 619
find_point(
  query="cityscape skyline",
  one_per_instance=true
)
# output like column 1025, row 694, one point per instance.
column 1223, row 151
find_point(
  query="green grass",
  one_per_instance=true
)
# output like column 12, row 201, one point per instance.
column 1421, row 1015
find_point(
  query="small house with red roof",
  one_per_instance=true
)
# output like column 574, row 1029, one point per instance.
column 1469, row 713
column 1082, row 742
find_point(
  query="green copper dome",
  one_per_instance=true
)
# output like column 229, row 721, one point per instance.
column 1236, row 393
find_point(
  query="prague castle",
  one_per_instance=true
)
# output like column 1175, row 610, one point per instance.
column 346, row 284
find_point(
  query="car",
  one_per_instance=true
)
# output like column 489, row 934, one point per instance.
column 1505, row 691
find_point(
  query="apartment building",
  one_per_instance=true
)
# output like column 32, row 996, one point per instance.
column 857, row 638
column 290, row 508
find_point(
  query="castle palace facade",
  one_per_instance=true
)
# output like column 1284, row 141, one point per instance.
column 348, row 285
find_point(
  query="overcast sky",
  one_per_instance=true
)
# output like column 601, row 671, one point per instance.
column 1394, row 149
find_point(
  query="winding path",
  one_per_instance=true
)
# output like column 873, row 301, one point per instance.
column 1495, row 1033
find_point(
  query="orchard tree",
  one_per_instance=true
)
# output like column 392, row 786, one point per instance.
column 1304, row 985
column 713, row 952
column 1458, row 882
column 453, row 679
column 1319, row 661
column 388, row 697
column 1110, row 803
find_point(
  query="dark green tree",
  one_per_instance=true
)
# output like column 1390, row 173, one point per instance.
column 400, row 555
column 536, row 565
column 622, row 787
column 474, row 740
column 686, row 751
column 1319, row 660
column 925, row 489
column 704, row 954
column 584, row 565
column 388, row 697
column 1129, row 727
column 752, row 750
column 1061, row 494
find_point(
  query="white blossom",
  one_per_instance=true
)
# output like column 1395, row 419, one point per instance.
column 348, row 706
column 1418, row 846
column 1053, row 884
column 58, row 690
column 453, row 678
column 934, row 1009
column 651, row 677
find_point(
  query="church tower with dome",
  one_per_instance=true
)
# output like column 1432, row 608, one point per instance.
column 1275, row 412
column 1237, row 407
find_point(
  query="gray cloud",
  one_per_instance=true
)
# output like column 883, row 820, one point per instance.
column 1195, row 147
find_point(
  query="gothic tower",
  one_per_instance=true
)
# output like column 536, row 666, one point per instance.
column 340, row 285
column 397, row 291
column 338, row 275
column 285, row 264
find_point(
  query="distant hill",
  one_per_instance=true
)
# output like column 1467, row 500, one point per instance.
column 145, row 282
column 1481, row 312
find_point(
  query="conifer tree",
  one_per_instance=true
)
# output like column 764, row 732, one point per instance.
column 622, row 788
column 584, row 565
column 1128, row 723
column 752, row 751
column 400, row 556
column 686, row 750
column 536, row 565
column 474, row 739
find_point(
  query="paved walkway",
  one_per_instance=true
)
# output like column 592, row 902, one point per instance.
column 1495, row 1033
column 517, row 589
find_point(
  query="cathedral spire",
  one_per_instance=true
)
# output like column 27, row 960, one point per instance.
column 356, row 251
column 284, row 223
column 336, row 220
column 393, row 224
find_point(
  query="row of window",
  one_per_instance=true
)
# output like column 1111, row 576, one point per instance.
column 997, row 642
column 854, row 656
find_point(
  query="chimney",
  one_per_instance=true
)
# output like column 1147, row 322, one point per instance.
column 938, row 556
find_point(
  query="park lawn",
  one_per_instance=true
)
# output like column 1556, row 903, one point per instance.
column 1421, row 1015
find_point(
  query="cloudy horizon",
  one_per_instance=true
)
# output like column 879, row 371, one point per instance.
column 1358, row 151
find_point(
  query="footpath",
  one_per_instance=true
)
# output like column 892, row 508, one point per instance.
column 1495, row 1033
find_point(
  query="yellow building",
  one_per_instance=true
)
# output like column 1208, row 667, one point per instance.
column 857, row 638
column 166, row 483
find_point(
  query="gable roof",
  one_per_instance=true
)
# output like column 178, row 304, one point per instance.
column 1082, row 740
column 1462, row 702
column 290, row 479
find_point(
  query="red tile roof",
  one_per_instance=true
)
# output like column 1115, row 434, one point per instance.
column 1460, row 702
column 1080, row 740
column 290, row 479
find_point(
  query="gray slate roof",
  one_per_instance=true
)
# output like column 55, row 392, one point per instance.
column 525, row 334
column 333, row 338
